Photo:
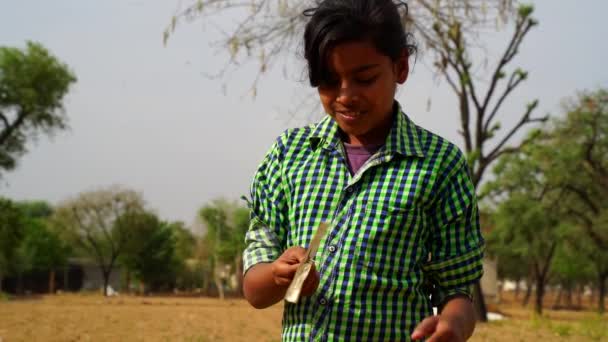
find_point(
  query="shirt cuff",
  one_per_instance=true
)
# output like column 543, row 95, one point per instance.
column 458, row 271
column 440, row 296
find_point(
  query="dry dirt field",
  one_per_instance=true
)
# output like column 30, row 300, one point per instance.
column 90, row 317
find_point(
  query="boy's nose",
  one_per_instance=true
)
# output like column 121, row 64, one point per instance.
column 347, row 96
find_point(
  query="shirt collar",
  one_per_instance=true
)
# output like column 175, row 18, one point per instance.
column 402, row 139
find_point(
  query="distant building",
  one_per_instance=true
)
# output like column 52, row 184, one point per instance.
column 92, row 278
column 79, row 274
column 489, row 281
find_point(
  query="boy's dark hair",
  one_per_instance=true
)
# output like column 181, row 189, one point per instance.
column 337, row 21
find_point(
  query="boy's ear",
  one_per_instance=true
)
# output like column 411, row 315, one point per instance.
column 402, row 67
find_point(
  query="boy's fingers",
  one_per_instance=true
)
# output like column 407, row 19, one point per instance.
column 282, row 281
column 286, row 270
column 311, row 283
column 299, row 253
column 293, row 255
column 425, row 328
column 444, row 333
column 283, row 273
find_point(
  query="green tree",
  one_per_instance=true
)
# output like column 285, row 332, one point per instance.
column 188, row 272
column 42, row 249
column 150, row 250
column 43, row 246
column 226, row 225
column 580, row 142
column 35, row 209
column 90, row 221
column 158, row 265
column 573, row 266
column 522, row 227
column 12, row 231
column 578, row 171
column 567, row 164
column 509, row 261
column 33, row 84
column 138, row 226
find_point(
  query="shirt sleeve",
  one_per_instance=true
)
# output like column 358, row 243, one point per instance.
column 265, row 237
column 456, row 245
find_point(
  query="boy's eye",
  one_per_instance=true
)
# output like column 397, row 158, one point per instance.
column 366, row 80
column 329, row 82
column 333, row 81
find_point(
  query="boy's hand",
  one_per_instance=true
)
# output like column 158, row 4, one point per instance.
column 455, row 323
column 439, row 329
column 284, row 268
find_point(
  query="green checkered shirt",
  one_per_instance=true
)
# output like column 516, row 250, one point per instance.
column 404, row 230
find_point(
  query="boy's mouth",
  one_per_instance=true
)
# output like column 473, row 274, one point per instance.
column 350, row 114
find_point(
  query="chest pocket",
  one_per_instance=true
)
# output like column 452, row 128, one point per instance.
column 390, row 240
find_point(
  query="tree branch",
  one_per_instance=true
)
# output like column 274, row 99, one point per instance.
column 524, row 120
column 547, row 262
column 588, row 225
column 6, row 133
column 4, row 120
column 463, row 95
column 95, row 247
column 510, row 86
column 584, row 196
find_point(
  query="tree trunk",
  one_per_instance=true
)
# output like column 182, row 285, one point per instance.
column 206, row 282
column 569, row 296
column 528, row 293
column 579, row 295
column 19, row 283
column 218, row 284
column 481, row 312
column 558, row 299
column 1, row 279
column 602, row 293
column 66, row 277
column 209, row 276
column 106, row 281
column 217, row 279
column 128, row 279
column 499, row 292
column 238, row 267
column 52, row 281
column 540, row 293
column 517, row 288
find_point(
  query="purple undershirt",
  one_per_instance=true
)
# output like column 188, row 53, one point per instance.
column 358, row 155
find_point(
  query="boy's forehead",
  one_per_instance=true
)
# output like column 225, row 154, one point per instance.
column 356, row 56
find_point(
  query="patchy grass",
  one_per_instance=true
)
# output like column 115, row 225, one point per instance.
column 90, row 317
column 94, row 318
column 524, row 325
column 4, row 297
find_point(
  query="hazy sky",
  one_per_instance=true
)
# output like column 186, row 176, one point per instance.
column 145, row 116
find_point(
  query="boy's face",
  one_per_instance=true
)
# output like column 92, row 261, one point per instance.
column 361, row 93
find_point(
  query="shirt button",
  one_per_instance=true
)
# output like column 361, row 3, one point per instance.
column 331, row 248
column 350, row 190
column 322, row 301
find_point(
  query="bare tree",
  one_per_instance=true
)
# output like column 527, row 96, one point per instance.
column 481, row 109
column 91, row 221
column 266, row 31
